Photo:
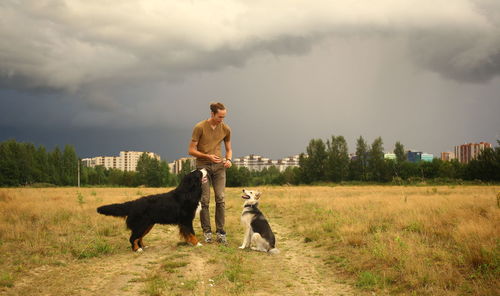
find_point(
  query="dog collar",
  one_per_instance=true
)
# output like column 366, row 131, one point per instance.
column 250, row 206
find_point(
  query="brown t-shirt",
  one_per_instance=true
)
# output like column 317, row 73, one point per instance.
column 209, row 139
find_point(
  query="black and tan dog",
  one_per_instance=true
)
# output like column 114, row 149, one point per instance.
column 176, row 207
column 258, row 233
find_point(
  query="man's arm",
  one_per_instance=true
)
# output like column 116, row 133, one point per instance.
column 193, row 151
column 229, row 154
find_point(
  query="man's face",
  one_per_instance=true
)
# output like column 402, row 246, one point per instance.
column 219, row 116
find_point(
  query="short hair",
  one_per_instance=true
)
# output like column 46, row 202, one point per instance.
column 215, row 107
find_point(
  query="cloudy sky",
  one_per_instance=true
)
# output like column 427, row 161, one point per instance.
column 107, row 76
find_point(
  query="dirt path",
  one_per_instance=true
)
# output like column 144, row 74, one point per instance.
column 297, row 270
column 117, row 274
column 304, row 264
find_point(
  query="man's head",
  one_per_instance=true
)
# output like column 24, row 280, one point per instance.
column 218, row 112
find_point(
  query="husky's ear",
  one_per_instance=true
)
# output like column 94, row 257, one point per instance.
column 257, row 195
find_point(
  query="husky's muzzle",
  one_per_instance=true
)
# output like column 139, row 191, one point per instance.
column 245, row 196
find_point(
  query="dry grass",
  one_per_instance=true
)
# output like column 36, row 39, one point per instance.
column 428, row 240
column 57, row 226
column 397, row 240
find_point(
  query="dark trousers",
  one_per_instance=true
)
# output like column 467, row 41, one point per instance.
column 216, row 179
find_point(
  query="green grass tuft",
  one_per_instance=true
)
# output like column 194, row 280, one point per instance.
column 94, row 249
column 171, row 266
column 6, row 280
column 368, row 280
column 155, row 286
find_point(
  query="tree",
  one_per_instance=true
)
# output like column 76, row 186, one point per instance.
column 337, row 162
column 115, row 177
column 185, row 169
column 291, row 175
column 69, row 169
column 9, row 170
column 100, row 175
column 25, row 153
column 129, row 178
column 486, row 167
column 272, row 176
column 154, row 174
column 237, row 176
column 167, row 179
column 451, row 169
column 149, row 171
column 430, row 170
column 396, row 165
column 84, row 175
column 55, row 166
column 41, row 165
column 399, row 150
column 312, row 166
column 376, row 162
column 359, row 165
column 408, row 170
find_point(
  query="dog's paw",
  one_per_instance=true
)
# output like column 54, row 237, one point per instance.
column 140, row 250
column 241, row 247
column 199, row 245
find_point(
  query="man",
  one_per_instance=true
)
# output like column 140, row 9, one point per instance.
column 206, row 147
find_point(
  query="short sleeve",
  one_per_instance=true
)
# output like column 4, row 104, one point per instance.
column 197, row 132
column 227, row 138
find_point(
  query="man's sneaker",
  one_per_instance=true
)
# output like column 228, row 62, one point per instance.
column 208, row 237
column 221, row 238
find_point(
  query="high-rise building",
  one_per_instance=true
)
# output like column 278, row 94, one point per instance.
column 290, row 161
column 469, row 151
column 426, row 157
column 126, row 161
column 447, row 156
column 176, row 166
column 416, row 156
column 413, row 156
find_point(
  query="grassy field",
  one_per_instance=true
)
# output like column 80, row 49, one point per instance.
column 344, row 240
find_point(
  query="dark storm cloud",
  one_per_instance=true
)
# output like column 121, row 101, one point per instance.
column 134, row 73
column 75, row 46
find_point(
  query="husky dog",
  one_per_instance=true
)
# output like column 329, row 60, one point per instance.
column 257, row 232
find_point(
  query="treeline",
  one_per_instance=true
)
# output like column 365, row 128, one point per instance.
column 329, row 161
column 24, row 164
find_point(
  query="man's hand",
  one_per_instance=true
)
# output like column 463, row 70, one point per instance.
column 228, row 163
column 214, row 158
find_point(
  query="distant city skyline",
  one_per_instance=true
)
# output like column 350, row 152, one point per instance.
column 175, row 157
column 480, row 145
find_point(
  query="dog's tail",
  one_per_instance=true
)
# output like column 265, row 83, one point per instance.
column 116, row 210
column 274, row 251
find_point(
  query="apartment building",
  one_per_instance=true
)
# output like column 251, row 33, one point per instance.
column 126, row 161
column 258, row 163
column 176, row 166
column 447, row 156
column 290, row 161
column 469, row 151
column 416, row 156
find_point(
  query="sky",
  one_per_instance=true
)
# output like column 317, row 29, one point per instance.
column 106, row 76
